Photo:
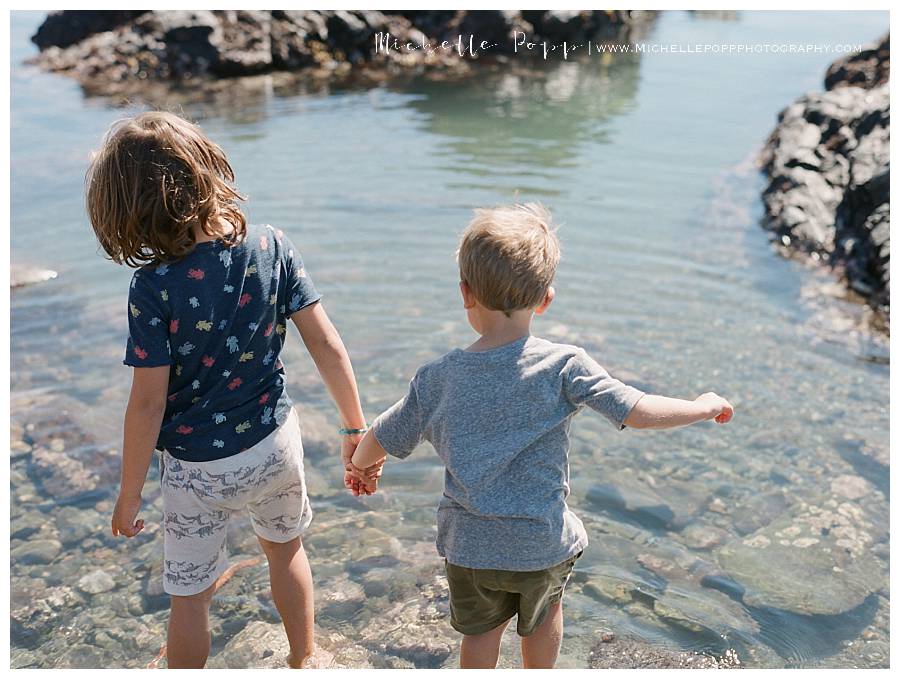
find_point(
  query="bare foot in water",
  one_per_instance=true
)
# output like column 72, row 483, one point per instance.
column 319, row 659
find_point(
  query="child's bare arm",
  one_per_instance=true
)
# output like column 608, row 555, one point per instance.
column 330, row 356
column 367, row 462
column 143, row 416
column 662, row 412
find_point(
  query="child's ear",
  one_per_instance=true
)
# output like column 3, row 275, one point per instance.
column 548, row 298
column 468, row 297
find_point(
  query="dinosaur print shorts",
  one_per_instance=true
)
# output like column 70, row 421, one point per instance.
column 200, row 497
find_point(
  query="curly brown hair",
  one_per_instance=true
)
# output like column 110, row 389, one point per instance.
column 155, row 178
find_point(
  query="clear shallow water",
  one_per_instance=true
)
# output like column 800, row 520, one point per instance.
column 666, row 278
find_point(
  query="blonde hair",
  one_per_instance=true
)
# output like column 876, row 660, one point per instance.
column 508, row 256
column 156, row 176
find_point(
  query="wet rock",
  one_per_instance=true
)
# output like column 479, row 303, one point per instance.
column 670, row 505
column 31, row 552
column 850, row 486
column 867, row 68
column 62, row 476
column 637, row 654
column 120, row 52
column 757, row 511
column 829, row 181
column 700, row 536
column 20, row 276
column 815, row 560
column 84, row 656
column 62, row 29
column 395, row 584
column 96, row 582
column 264, row 645
column 340, row 600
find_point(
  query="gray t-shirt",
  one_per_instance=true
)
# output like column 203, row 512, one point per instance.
column 499, row 420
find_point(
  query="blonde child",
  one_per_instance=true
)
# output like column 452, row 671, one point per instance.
column 498, row 415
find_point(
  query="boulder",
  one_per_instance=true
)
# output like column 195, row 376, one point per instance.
column 828, row 167
column 62, row 29
column 867, row 68
column 814, row 560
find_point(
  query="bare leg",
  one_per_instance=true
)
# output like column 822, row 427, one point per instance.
column 541, row 648
column 481, row 651
column 187, row 646
column 292, row 590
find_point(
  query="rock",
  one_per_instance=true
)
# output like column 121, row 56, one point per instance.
column 395, row 584
column 340, row 600
column 827, row 162
column 850, row 487
column 83, row 656
column 62, row 29
column 662, row 506
column 264, row 645
column 63, row 477
column 815, row 560
column 757, row 511
column 700, row 536
column 637, row 654
column 32, row 552
column 96, row 582
column 20, row 275
column 867, row 68
column 119, row 53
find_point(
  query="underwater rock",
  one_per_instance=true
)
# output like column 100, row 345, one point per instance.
column 264, row 645
column 815, row 560
column 668, row 505
column 32, row 551
column 636, row 654
column 850, row 486
column 96, row 582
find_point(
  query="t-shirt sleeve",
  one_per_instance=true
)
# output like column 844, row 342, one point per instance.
column 399, row 429
column 299, row 291
column 148, row 325
column 588, row 383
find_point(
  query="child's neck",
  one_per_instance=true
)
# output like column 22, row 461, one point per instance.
column 498, row 329
column 223, row 228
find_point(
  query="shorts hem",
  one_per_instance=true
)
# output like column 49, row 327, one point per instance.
column 481, row 628
column 280, row 538
column 192, row 590
column 540, row 619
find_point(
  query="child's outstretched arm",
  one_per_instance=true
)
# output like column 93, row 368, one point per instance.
column 662, row 412
column 331, row 359
column 143, row 417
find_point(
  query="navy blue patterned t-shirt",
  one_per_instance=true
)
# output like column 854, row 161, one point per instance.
column 219, row 317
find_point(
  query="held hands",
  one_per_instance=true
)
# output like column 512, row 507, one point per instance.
column 364, row 481
column 358, row 481
column 124, row 515
column 718, row 408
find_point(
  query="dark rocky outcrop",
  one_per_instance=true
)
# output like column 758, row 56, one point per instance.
column 828, row 163
column 112, row 52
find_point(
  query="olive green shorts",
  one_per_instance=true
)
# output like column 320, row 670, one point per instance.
column 481, row 599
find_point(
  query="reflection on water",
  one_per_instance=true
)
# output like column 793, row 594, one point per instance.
column 666, row 278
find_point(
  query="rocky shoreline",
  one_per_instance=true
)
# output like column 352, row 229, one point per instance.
column 115, row 52
column 828, row 166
